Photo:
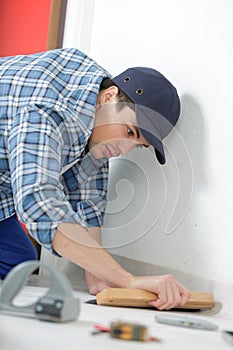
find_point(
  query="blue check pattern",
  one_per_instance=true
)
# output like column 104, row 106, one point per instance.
column 47, row 108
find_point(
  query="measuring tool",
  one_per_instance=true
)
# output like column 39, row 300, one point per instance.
column 57, row 305
column 128, row 331
column 125, row 331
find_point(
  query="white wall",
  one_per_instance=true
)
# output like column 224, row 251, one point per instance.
column 178, row 215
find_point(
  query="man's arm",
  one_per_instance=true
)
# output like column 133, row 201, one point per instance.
column 75, row 243
column 94, row 284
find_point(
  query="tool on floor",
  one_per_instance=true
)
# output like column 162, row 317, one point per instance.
column 228, row 336
column 125, row 331
column 189, row 322
column 141, row 298
column 57, row 305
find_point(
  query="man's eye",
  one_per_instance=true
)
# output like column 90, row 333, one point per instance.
column 130, row 132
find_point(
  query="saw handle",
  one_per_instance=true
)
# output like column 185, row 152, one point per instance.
column 141, row 298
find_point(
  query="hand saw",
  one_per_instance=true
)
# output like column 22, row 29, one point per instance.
column 140, row 298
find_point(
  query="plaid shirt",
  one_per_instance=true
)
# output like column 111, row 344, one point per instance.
column 47, row 108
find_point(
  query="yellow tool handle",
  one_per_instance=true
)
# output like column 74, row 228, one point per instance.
column 140, row 298
column 128, row 331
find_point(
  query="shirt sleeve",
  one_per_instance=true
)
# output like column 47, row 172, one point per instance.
column 85, row 185
column 36, row 143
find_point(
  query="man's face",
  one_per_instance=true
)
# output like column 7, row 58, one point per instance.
column 115, row 132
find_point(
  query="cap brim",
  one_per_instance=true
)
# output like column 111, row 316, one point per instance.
column 149, row 132
column 158, row 146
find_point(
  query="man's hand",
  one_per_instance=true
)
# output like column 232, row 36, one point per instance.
column 81, row 247
column 94, row 284
column 170, row 292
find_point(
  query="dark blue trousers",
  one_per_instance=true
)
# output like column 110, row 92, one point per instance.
column 15, row 245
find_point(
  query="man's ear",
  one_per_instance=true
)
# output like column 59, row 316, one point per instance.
column 109, row 94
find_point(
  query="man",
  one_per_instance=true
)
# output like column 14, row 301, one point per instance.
column 61, row 119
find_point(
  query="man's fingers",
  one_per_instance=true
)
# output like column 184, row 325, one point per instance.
column 161, row 299
column 185, row 295
column 171, row 295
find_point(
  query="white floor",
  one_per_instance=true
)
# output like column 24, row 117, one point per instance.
column 27, row 334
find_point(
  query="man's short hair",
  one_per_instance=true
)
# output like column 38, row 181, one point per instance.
column 121, row 97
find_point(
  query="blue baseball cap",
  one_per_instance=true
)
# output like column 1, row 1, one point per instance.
column 157, row 104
